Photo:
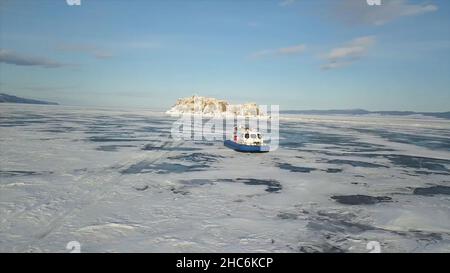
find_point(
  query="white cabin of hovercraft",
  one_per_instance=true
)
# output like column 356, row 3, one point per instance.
column 247, row 136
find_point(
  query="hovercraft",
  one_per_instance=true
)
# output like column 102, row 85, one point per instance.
column 248, row 141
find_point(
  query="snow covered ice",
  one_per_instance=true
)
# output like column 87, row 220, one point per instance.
column 115, row 181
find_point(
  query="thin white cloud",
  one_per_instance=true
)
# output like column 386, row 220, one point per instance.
column 91, row 50
column 11, row 57
column 291, row 50
column 359, row 12
column 335, row 65
column 261, row 53
column 350, row 52
column 285, row 3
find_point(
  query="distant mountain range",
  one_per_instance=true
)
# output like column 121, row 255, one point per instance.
column 14, row 99
column 445, row 115
column 5, row 98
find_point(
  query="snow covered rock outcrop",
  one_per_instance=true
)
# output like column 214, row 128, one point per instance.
column 214, row 107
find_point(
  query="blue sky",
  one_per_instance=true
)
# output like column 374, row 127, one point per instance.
column 300, row 54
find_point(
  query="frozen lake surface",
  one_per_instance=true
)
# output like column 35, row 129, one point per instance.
column 115, row 181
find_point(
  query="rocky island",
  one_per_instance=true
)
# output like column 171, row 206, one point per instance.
column 213, row 107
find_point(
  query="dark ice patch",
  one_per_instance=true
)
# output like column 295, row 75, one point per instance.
column 333, row 170
column 287, row 216
column 338, row 222
column 326, row 151
column 431, row 237
column 359, row 183
column 25, row 120
column 196, row 182
column 272, row 185
column 332, row 225
column 295, row 139
column 168, row 147
column 428, row 173
column 112, row 148
column 354, row 163
column 59, row 129
column 142, row 188
column 162, row 168
column 433, row 190
column 205, row 143
column 291, row 144
column 416, row 162
column 357, row 148
column 431, row 142
column 152, row 129
column 360, row 199
column 179, row 191
column 321, row 248
column 6, row 174
column 187, row 184
column 295, row 169
column 114, row 139
column 197, row 157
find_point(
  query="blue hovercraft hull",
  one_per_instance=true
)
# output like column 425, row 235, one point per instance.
column 246, row 148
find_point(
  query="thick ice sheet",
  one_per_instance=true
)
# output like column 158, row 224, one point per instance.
column 114, row 180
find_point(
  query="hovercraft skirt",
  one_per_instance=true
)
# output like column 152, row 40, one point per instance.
column 246, row 148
